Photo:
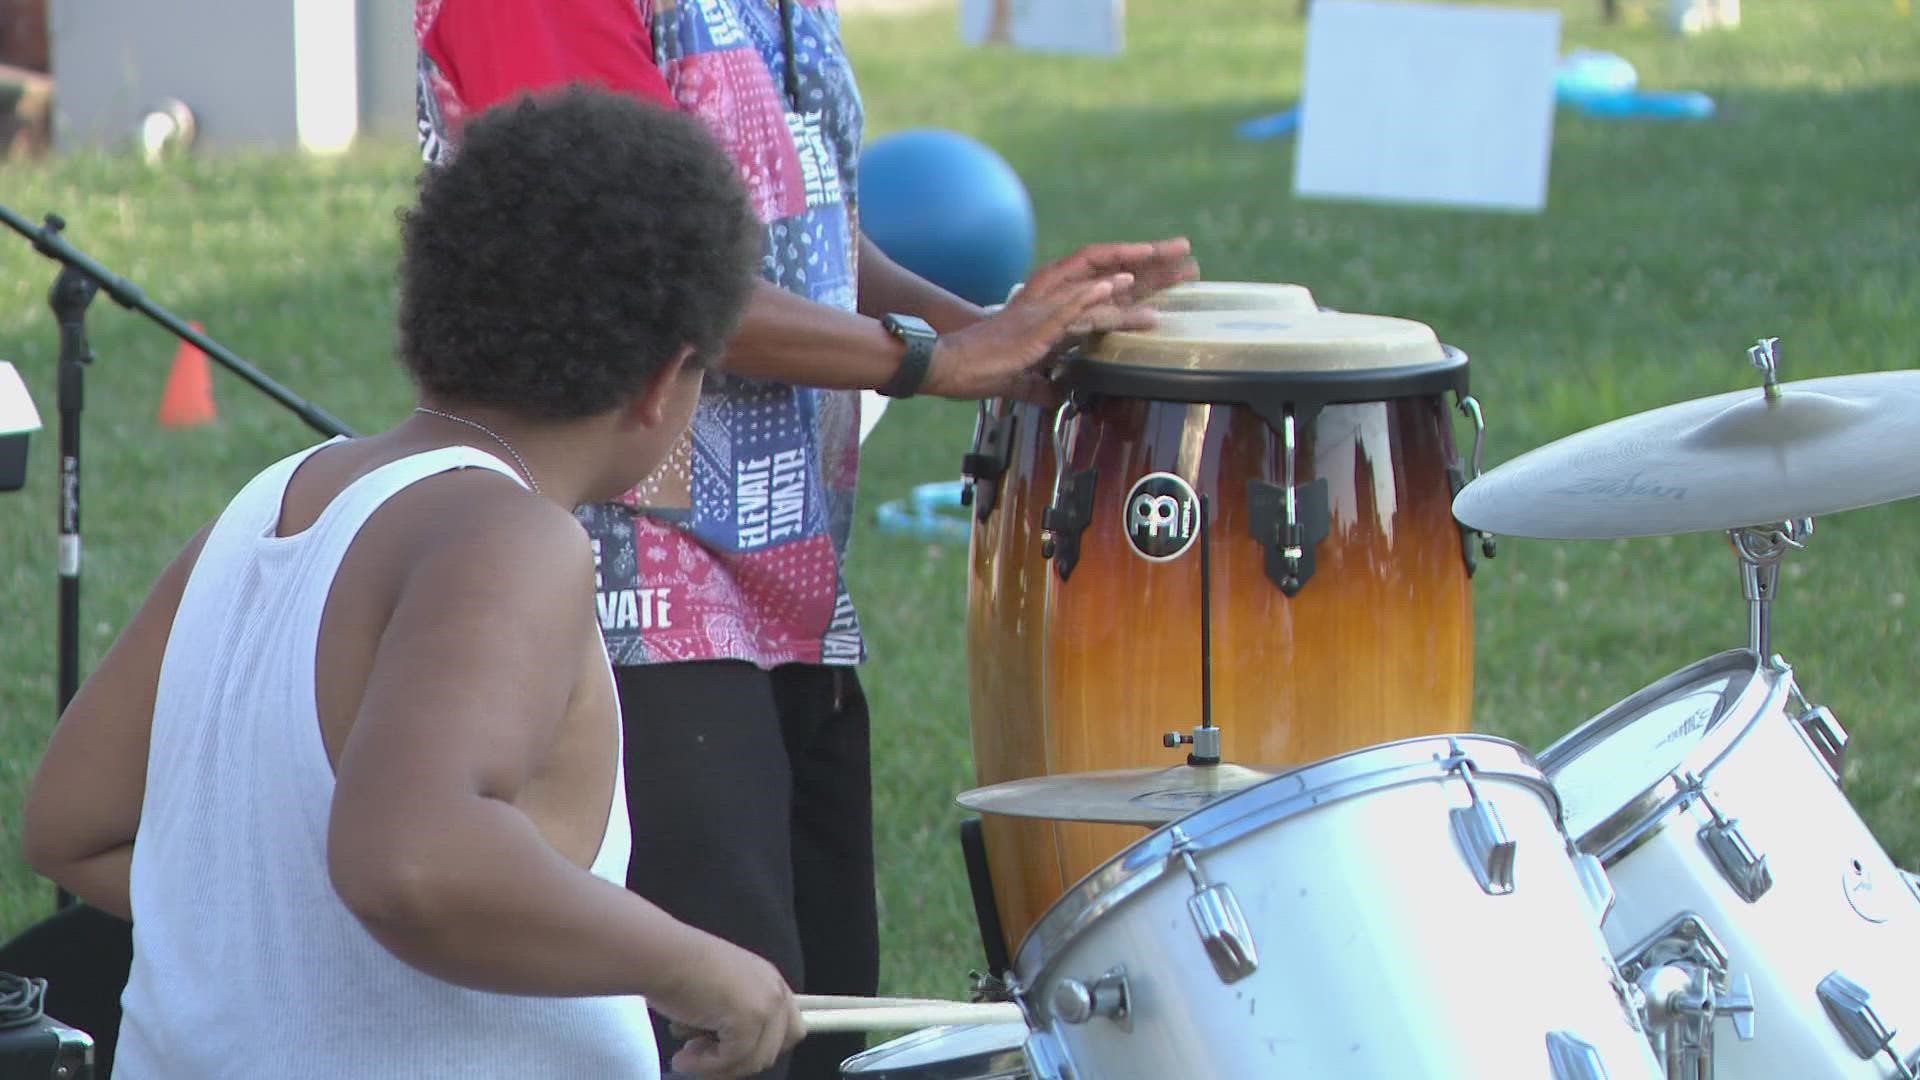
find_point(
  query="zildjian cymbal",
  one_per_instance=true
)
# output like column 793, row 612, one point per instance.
column 1120, row 796
column 1748, row 458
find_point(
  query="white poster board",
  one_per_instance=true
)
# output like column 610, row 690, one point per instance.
column 1066, row 26
column 1435, row 104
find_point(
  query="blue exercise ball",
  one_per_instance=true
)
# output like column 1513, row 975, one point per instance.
column 949, row 209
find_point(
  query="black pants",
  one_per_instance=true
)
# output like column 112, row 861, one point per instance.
column 752, row 808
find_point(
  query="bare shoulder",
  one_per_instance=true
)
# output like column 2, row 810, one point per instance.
column 481, row 529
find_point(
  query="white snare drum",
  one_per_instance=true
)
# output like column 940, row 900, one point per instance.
column 1411, row 910
column 1772, row 935
column 969, row 1052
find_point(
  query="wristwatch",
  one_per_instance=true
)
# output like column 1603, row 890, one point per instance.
column 920, row 340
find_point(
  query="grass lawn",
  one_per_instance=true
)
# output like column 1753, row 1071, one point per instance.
column 1666, row 249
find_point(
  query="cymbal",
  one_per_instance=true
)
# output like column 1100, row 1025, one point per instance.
column 1117, row 796
column 1722, row 462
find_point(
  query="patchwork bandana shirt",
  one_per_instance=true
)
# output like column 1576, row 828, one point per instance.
column 735, row 548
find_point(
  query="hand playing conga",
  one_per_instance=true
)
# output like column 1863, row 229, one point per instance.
column 1099, row 288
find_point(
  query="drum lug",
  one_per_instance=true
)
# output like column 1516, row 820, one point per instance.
column 1224, row 932
column 1817, row 723
column 1289, row 564
column 1744, row 867
column 1076, row 1002
column 1288, row 519
column 1828, row 737
column 1068, row 515
column 1681, row 974
column 1848, row 1004
column 1457, row 479
column 987, row 462
column 1046, row 1059
column 1066, row 519
column 1481, row 834
column 1574, row 1058
column 1594, row 882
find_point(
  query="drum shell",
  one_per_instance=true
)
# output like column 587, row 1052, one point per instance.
column 1006, row 591
column 1380, row 955
column 1808, row 924
column 1377, row 645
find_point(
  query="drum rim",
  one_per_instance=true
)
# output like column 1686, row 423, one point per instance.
column 1625, row 828
column 998, row 1070
column 1267, row 392
column 1330, row 780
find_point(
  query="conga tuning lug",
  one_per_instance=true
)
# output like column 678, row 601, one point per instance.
column 986, row 463
column 1067, row 518
column 1289, row 547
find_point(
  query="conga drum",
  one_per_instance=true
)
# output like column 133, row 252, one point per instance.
column 1011, row 470
column 1318, row 449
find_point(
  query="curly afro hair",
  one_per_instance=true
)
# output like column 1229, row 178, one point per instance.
column 575, row 242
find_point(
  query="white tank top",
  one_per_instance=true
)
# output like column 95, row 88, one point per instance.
column 245, row 961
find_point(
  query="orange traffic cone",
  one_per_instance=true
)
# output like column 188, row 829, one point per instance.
column 188, row 399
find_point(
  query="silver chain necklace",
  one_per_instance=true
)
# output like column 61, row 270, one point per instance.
column 490, row 433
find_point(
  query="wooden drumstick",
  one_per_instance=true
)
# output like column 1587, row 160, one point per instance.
column 841, row 1016
column 815, row 1002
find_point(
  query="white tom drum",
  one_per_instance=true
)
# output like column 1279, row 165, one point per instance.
column 964, row 1052
column 1411, row 910
column 1769, row 931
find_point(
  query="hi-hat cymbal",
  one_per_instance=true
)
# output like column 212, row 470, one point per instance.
column 1118, row 796
column 1723, row 462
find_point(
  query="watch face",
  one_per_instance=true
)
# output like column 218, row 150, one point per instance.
column 909, row 324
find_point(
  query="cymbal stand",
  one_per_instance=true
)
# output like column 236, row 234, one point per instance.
column 1760, row 548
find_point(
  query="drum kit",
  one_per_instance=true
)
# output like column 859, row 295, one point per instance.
column 1255, row 514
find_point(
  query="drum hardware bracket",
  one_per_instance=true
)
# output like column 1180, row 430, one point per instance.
column 1740, row 863
column 1077, row 1002
column 1204, row 739
column 1850, row 1008
column 1481, row 834
column 1224, row 931
column 1764, row 355
column 1457, row 479
column 1574, row 1058
column 1682, row 974
column 1760, row 549
column 987, row 462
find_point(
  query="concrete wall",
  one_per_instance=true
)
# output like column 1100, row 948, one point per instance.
column 256, row 73
column 386, row 67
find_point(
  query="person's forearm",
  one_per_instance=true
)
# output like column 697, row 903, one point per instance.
column 100, row 880
column 886, row 287
column 788, row 338
column 479, row 899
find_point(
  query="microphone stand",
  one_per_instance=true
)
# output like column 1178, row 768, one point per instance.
column 79, row 281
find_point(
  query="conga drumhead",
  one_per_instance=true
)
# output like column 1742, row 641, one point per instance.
column 965, row 1052
column 1234, row 296
column 1256, row 342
